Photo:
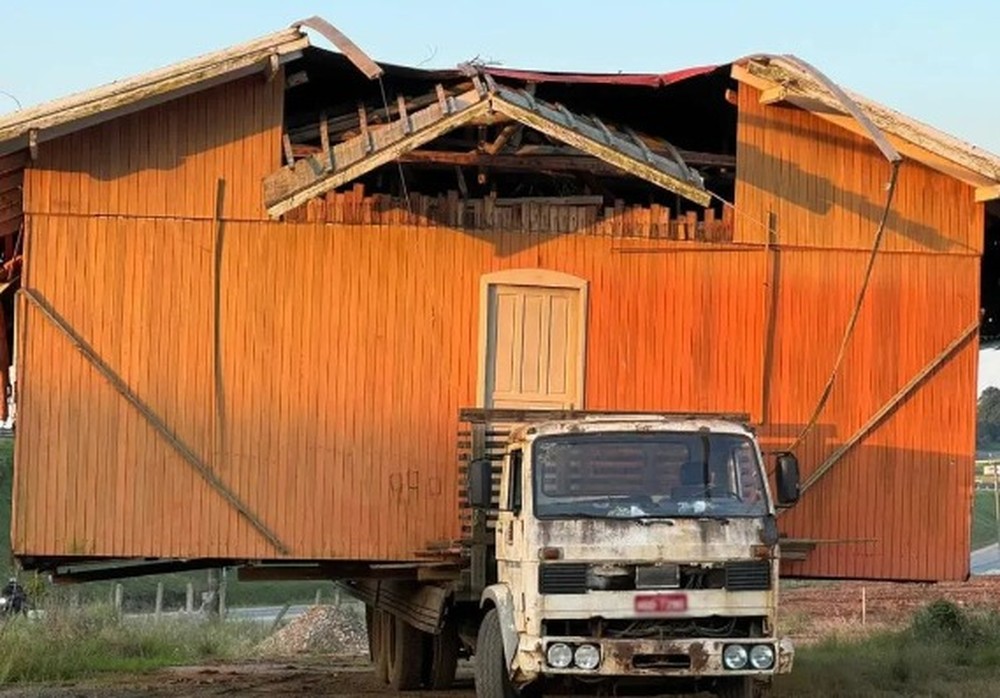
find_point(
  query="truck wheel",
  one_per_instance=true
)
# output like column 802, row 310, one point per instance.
column 378, row 642
column 492, row 677
column 441, row 658
column 370, row 630
column 406, row 653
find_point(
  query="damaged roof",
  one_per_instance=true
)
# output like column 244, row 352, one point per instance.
column 59, row 117
column 788, row 79
column 780, row 78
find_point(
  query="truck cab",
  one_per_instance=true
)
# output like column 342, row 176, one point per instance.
column 633, row 551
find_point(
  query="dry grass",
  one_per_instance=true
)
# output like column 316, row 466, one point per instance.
column 945, row 651
column 71, row 644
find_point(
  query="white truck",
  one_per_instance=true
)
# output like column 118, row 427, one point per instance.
column 626, row 552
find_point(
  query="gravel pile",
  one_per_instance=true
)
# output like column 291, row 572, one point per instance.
column 321, row 630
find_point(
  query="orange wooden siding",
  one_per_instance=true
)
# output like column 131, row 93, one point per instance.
column 907, row 486
column 164, row 161
column 348, row 350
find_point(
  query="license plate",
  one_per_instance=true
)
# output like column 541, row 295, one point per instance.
column 661, row 603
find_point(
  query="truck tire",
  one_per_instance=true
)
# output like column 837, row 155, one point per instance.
column 441, row 658
column 370, row 630
column 492, row 677
column 406, row 653
column 378, row 641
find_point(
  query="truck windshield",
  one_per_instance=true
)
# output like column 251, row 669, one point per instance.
column 649, row 475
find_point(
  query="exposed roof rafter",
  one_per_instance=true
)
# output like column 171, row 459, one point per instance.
column 290, row 187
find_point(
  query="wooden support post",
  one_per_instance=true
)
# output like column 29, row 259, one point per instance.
column 363, row 126
column 770, row 298
column 889, row 407
column 189, row 598
column 403, row 116
column 442, row 99
column 324, row 141
column 158, row 609
column 119, row 599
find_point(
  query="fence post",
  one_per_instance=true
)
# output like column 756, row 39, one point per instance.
column 319, row 593
column 119, row 599
column 159, row 601
column 189, row 600
column 336, row 596
column 996, row 498
column 222, row 597
column 213, row 593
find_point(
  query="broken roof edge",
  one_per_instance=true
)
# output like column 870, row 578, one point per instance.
column 122, row 96
column 806, row 92
column 626, row 79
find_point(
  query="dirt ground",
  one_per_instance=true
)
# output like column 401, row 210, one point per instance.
column 810, row 612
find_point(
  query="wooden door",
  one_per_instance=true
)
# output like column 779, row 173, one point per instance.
column 533, row 356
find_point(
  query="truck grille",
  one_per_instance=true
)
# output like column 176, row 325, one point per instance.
column 748, row 576
column 562, row 579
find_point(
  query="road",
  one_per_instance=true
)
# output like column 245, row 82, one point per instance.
column 986, row 560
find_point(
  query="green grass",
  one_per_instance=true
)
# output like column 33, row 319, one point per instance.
column 74, row 644
column 984, row 524
column 946, row 651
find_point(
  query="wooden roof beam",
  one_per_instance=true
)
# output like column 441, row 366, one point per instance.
column 831, row 115
column 773, row 95
column 291, row 187
column 614, row 149
column 984, row 194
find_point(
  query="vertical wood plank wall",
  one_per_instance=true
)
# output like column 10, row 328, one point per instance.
column 348, row 349
column 907, row 487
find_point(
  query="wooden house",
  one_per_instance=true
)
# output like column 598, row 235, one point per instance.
column 254, row 290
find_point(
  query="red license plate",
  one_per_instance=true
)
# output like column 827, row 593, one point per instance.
column 661, row 603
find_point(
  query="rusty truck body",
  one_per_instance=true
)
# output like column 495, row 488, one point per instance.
column 630, row 551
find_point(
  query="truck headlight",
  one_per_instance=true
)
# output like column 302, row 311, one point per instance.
column 735, row 657
column 559, row 655
column 762, row 657
column 587, row 657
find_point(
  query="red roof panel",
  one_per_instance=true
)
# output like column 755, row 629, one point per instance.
column 635, row 79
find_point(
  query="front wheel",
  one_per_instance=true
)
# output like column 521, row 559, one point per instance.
column 492, row 676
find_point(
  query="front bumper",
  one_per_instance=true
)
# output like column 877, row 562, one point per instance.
column 654, row 658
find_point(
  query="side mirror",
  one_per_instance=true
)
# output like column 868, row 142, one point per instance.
column 787, row 476
column 480, row 477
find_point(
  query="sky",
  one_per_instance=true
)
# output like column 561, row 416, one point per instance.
column 935, row 61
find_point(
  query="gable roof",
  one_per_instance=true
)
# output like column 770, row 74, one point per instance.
column 788, row 79
column 780, row 78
